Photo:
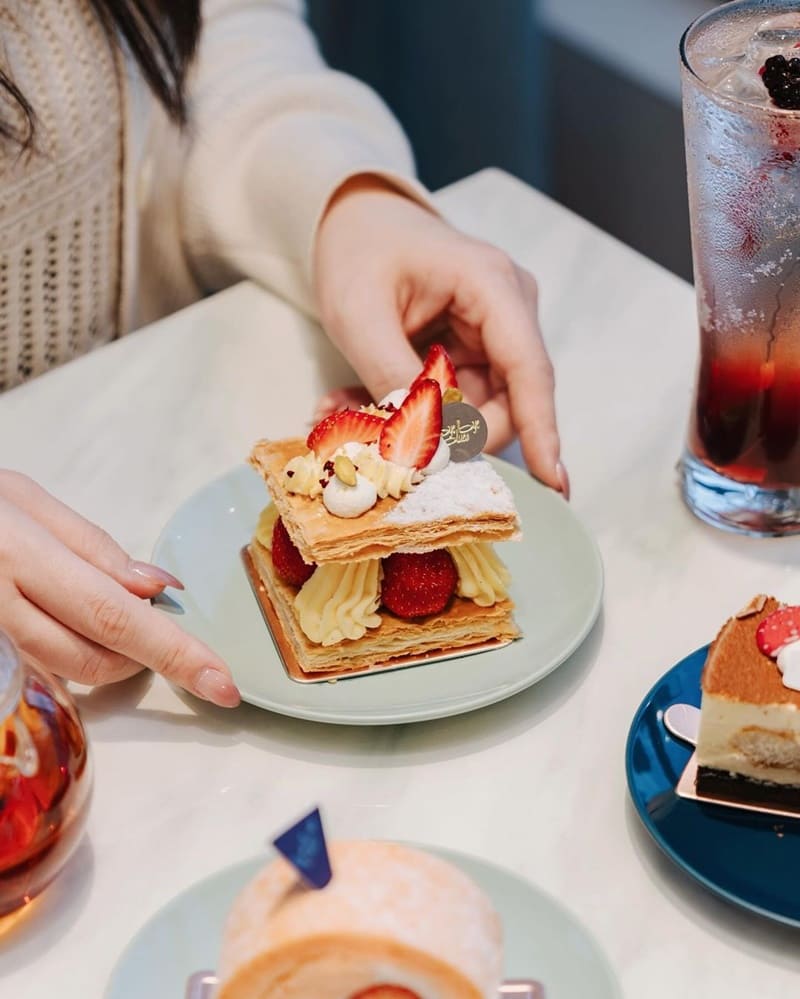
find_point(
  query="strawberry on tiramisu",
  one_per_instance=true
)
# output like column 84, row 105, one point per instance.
column 377, row 546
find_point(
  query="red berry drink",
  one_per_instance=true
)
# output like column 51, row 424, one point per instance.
column 741, row 97
column 745, row 423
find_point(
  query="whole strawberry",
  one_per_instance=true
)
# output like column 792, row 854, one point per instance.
column 418, row 585
column 286, row 559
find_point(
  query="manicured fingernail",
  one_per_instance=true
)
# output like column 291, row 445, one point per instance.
column 213, row 685
column 563, row 480
column 155, row 574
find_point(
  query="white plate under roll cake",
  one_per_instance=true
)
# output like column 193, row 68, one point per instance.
column 391, row 918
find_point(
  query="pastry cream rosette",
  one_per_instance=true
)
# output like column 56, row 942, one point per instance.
column 340, row 601
column 303, row 475
column 482, row 577
column 390, row 916
column 266, row 523
column 388, row 478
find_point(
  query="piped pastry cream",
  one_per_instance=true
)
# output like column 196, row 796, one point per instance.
column 266, row 525
column 382, row 546
column 339, row 601
column 302, row 475
column 390, row 917
column 482, row 577
column 388, row 478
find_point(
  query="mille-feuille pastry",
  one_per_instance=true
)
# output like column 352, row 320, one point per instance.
column 392, row 923
column 748, row 745
column 377, row 546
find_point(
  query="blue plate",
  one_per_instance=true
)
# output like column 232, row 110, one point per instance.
column 750, row 859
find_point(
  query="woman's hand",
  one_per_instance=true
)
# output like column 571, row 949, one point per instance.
column 387, row 269
column 72, row 601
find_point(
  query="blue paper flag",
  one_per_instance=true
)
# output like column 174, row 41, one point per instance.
column 304, row 847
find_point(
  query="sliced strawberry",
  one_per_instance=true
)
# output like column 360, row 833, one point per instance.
column 439, row 367
column 411, row 435
column 417, row 585
column 286, row 559
column 342, row 427
column 779, row 628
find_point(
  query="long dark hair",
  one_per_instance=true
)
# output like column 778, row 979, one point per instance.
column 161, row 35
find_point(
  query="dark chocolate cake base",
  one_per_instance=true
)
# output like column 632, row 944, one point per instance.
column 732, row 787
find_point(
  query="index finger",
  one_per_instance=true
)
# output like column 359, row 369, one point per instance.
column 97, row 607
column 86, row 539
column 505, row 307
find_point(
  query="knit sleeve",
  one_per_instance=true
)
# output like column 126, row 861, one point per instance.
column 274, row 133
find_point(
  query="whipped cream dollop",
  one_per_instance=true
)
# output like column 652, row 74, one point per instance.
column 376, row 477
column 340, row 601
column 394, row 398
column 440, row 459
column 789, row 664
column 343, row 500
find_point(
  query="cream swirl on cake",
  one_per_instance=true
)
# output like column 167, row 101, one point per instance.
column 340, row 601
column 482, row 577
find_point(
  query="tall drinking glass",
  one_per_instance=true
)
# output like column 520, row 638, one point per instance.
column 741, row 466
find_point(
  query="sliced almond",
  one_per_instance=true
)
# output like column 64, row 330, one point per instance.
column 344, row 469
column 452, row 395
column 755, row 606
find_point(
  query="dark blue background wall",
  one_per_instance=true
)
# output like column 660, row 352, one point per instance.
column 465, row 77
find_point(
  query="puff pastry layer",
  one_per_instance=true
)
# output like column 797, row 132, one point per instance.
column 483, row 505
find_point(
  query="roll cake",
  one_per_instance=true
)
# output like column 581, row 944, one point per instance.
column 392, row 923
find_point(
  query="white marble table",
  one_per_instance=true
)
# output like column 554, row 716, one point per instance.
column 126, row 434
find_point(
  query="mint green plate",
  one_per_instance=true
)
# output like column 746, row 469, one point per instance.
column 557, row 585
column 542, row 939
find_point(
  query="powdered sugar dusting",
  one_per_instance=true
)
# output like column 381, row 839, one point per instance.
column 461, row 489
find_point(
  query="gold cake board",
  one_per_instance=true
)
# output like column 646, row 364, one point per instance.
column 687, row 788
column 296, row 672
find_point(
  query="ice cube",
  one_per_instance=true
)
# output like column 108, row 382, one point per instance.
column 713, row 69
column 776, row 36
column 743, row 83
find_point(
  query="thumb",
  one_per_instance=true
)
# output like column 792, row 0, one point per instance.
column 371, row 337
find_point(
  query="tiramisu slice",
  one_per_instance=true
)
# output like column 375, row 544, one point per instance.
column 749, row 740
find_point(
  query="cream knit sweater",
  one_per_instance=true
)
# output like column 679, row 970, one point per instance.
column 118, row 217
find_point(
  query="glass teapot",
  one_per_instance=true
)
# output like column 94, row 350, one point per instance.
column 45, row 779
